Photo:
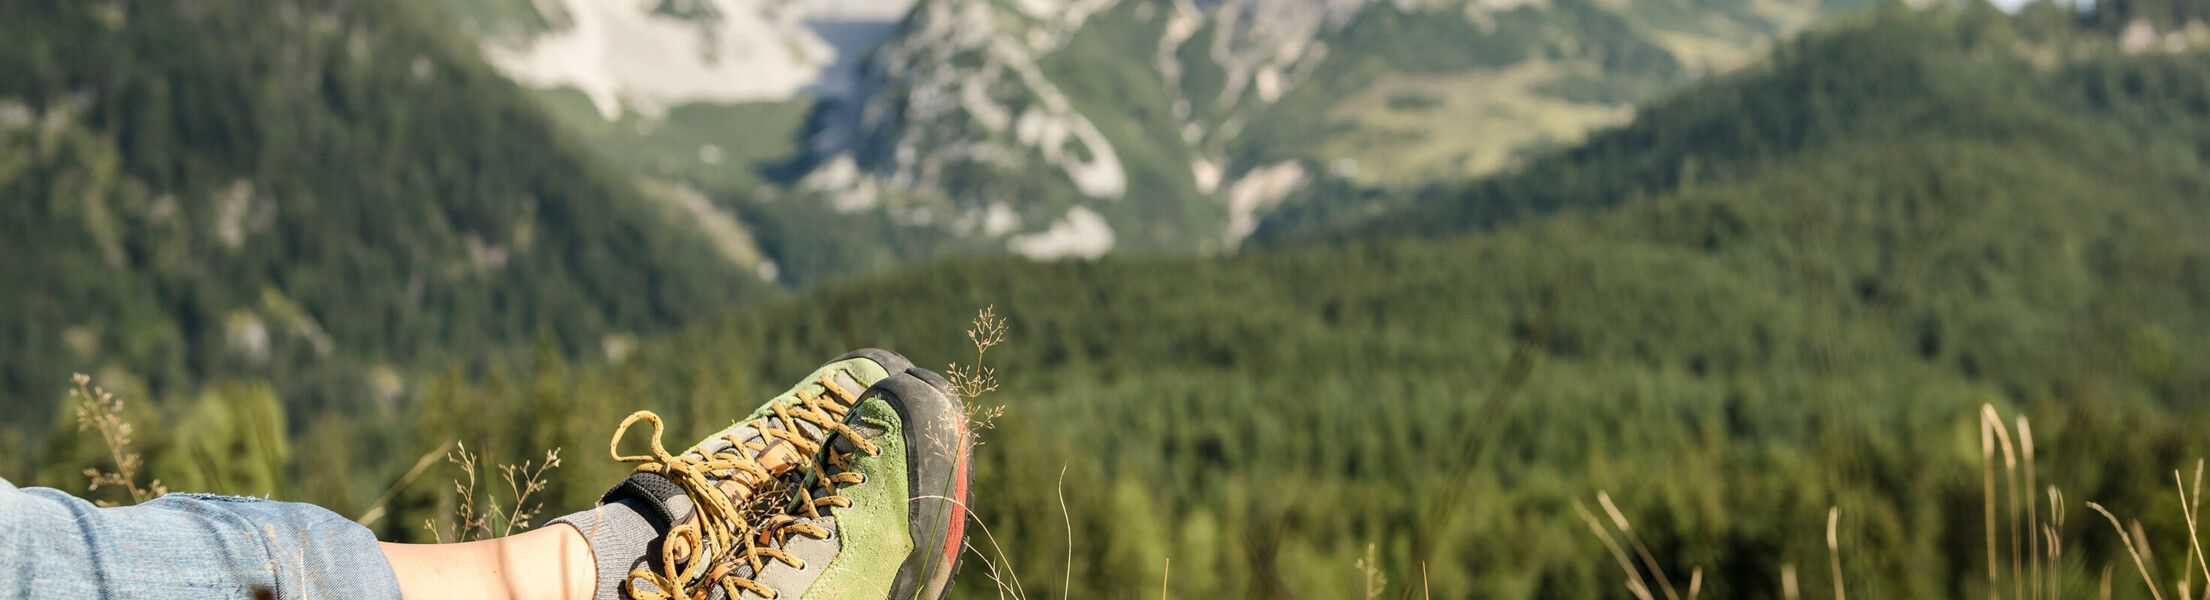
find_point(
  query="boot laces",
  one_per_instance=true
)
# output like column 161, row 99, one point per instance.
column 704, row 551
column 831, row 479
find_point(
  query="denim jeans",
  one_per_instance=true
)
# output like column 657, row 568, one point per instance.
column 53, row 545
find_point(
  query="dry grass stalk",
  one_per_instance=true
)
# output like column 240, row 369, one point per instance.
column 996, row 578
column 1788, row 589
column 1634, row 577
column 97, row 409
column 1987, row 488
column 1636, row 582
column 1007, row 581
column 1168, row 571
column 465, row 521
column 376, row 509
column 2033, row 516
column 1066, row 582
column 477, row 518
column 2010, row 487
column 985, row 332
column 1373, row 582
column 2190, row 504
column 523, row 483
column 970, row 383
column 2148, row 553
column 2036, row 552
column 1626, row 530
column 2025, row 554
column 2138, row 563
column 2055, row 546
column 1834, row 549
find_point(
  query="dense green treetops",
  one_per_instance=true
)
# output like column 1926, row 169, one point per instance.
column 311, row 192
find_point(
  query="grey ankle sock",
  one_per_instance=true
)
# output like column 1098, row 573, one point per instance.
column 621, row 535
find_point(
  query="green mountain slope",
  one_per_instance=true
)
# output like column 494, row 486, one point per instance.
column 316, row 193
column 1169, row 127
column 1812, row 95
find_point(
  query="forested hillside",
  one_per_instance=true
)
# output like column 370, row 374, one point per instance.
column 1786, row 290
column 2040, row 81
column 322, row 194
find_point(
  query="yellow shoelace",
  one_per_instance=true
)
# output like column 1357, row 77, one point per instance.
column 717, row 526
column 782, row 526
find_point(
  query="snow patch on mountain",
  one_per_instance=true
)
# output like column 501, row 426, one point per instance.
column 1259, row 189
column 999, row 220
column 1206, row 173
column 840, row 180
column 622, row 54
column 1054, row 20
column 1081, row 234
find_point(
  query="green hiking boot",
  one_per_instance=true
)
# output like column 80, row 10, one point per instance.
column 700, row 508
column 883, row 515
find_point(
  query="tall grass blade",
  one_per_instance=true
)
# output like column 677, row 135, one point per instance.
column 2154, row 590
column 1834, row 549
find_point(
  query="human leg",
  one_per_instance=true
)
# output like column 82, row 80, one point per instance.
column 552, row 563
column 53, row 545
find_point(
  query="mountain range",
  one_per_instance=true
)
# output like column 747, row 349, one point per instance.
column 1052, row 129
